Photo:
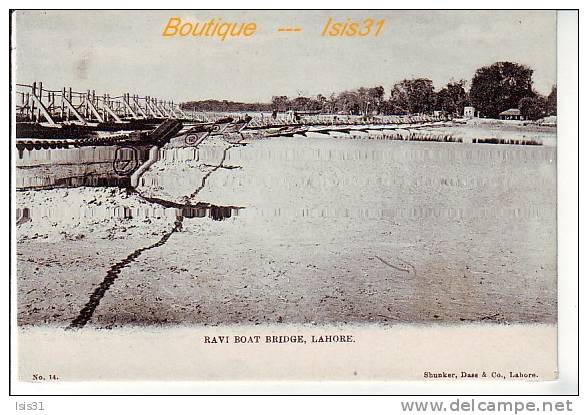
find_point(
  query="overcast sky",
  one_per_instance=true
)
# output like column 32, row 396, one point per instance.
column 123, row 51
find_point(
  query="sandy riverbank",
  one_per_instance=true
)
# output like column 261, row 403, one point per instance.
column 332, row 231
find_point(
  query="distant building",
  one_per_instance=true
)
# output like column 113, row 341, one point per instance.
column 511, row 114
column 550, row 120
column 469, row 112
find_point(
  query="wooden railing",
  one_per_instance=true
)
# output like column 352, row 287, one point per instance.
column 34, row 103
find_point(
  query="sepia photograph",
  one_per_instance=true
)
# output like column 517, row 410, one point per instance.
column 299, row 194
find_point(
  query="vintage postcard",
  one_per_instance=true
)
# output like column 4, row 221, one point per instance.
column 284, row 195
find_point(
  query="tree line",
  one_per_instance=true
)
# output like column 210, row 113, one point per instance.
column 493, row 89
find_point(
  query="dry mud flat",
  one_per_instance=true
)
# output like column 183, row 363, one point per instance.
column 330, row 231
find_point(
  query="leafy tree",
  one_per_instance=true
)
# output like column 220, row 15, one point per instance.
column 300, row 103
column 369, row 99
column 280, row 103
column 551, row 102
column 375, row 97
column 532, row 108
column 500, row 86
column 224, row 105
column 322, row 102
column 398, row 103
column 413, row 96
column 348, row 101
column 452, row 98
column 363, row 100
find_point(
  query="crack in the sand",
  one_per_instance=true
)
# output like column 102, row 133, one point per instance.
column 212, row 170
column 112, row 274
column 408, row 269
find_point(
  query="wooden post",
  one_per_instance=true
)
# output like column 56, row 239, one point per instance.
column 95, row 104
column 72, row 108
column 51, row 102
column 62, row 103
column 40, row 95
column 41, row 109
column 128, row 107
column 22, row 103
column 138, row 106
column 127, row 104
column 69, row 99
column 87, row 105
column 110, row 110
column 125, row 111
column 156, row 107
column 33, row 93
column 170, row 109
column 160, row 106
column 29, row 113
column 104, row 114
column 90, row 105
column 149, row 107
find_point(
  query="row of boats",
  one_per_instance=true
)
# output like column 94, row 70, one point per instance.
column 192, row 134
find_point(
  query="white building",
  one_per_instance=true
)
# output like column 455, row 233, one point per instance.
column 469, row 112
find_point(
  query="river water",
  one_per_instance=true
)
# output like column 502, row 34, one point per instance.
column 328, row 230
